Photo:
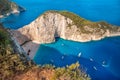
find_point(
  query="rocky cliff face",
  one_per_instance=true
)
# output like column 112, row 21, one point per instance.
column 7, row 7
column 56, row 24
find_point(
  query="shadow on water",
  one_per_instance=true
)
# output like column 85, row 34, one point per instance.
column 48, row 55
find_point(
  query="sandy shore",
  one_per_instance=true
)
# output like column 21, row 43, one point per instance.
column 32, row 46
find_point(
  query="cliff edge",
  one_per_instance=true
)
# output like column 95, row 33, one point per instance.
column 65, row 25
column 8, row 7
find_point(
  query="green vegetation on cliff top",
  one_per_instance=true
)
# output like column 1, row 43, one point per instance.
column 82, row 23
column 6, row 6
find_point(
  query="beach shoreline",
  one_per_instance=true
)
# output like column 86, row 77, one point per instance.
column 29, row 46
column 33, row 46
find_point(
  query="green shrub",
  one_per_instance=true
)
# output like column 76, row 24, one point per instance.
column 72, row 72
column 10, row 62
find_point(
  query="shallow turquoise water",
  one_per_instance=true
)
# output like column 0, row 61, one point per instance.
column 64, row 52
column 93, row 54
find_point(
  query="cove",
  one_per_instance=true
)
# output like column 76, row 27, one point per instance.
column 100, row 59
column 93, row 56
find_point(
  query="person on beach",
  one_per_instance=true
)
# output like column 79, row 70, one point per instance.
column 28, row 53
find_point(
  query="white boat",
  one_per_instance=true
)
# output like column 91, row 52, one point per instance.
column 91, row 59
column 94, row 68
column 62, row 44
column 52, row 60
column 105, row 64
column 79, row 54
column 62, row 57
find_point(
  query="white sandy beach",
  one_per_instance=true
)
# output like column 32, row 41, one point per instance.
column 32, row 46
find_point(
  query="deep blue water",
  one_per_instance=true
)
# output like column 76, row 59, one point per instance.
column 95, row 10
column 106, row 51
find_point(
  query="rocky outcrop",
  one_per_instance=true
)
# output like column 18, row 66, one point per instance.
column 7, row 7
column 57, row 24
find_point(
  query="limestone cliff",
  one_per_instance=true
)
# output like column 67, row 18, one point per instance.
column 66, row 25
column 8, row 7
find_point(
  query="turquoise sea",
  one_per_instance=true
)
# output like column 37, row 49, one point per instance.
column 100, row 59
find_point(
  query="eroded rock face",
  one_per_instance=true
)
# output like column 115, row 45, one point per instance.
column 8, row 7
column 45, row 28
column 52, row 24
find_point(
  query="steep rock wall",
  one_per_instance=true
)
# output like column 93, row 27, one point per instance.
column 53, row 24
